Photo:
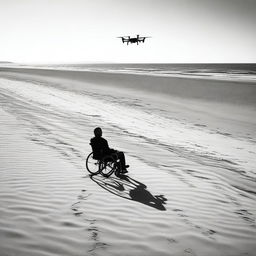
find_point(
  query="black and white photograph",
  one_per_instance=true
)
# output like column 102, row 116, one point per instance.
column 127, row 128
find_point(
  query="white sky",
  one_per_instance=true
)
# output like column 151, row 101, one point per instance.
column 54, row 31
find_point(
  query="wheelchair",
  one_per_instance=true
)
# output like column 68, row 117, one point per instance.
column 105, row 166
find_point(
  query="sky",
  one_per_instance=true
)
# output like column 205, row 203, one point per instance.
column 82, row 31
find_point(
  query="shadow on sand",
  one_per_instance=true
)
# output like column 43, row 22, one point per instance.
column 131, row 189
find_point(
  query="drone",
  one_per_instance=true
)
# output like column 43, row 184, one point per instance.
column 133, row 40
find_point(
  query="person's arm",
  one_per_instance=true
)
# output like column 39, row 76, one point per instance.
column 106, row 145
column 107, row 149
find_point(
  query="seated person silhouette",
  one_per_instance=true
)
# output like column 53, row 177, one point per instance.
column 100, row 149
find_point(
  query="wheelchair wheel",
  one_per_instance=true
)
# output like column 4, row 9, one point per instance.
column 92, row 165
column 107, row 166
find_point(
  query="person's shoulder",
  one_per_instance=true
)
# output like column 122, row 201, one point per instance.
column 92, row 139
column 104, row 140
column 98, row 139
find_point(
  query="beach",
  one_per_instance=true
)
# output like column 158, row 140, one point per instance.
column 190, row 144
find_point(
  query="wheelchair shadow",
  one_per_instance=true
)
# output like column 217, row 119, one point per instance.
column 131, row 189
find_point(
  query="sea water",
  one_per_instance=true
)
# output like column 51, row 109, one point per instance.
column 243, row 72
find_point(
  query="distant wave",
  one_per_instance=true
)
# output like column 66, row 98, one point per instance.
column 233, row 72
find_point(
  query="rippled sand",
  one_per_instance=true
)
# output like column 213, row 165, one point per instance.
column 174, row 201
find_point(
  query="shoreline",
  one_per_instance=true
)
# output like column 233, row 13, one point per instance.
column 236, row 92
column 199, row 76
column 195, row 99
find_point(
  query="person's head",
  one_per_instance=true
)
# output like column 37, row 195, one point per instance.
column 98, row 132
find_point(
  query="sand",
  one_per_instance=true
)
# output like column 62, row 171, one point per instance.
column 190, row 189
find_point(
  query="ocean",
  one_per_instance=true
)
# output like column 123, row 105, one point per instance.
column 229, row 71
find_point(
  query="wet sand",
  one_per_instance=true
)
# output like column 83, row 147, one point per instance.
column 176, row 199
